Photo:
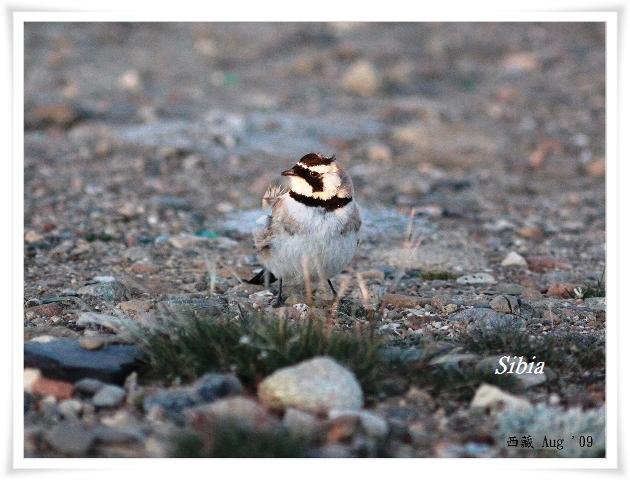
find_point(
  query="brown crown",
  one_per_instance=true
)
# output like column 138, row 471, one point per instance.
column 313, row 159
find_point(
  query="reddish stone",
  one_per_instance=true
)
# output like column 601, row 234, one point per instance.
column 341, row 428
column 531, row 294
column 404, row 301
column 531, row 232
column 46, row 310
column 562, row 290
column 59, row 390
column 143, row 267
column 540, row 264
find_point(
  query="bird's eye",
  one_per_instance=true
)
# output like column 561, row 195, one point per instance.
column 312, row 173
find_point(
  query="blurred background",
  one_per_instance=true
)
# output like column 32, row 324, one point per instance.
column 493, row 132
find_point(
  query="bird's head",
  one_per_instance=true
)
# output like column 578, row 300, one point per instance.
column 320, row 177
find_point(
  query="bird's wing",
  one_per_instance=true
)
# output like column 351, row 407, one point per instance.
column 272, row 195
column 353, row 224
column 279, row 223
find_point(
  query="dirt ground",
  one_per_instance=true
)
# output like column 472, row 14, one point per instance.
column 148, row 148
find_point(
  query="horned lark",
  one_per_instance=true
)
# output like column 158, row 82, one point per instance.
column 313, row 229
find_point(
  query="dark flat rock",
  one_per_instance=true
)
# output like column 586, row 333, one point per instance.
column 64, row 359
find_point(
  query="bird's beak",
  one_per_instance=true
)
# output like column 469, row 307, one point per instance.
column 289, row 173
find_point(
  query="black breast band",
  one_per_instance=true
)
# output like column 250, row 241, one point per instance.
column 329, row 204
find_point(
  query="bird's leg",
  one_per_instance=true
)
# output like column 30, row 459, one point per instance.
column 279, row 301
column 332, row 289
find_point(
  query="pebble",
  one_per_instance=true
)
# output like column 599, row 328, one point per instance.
column 65, row 359
column 183, row 306
column 88, row 386
column 59, row 114
column 361, row 78
column 46, row 387
column 45, row 310
column 130, row 80
column 31, row 236
column 144, row 267
column 317, row 385
column 514, row 259
column 597, row 304
column 518, row 62
column 134, row 307
column 597, row 167
column 70, row 438
column 109, row 435
column 531, row 294
column 108, row 289
column 109, row 396
column 242, row 410
column 404, row 301
column 301, row 424
column 561, row 290
column 508, row 288
column 489, row 396
column 111, row 322
column 31, row 375
column 341, row 429
column 92, row 342
column 168, row 202
column 379, row 152
column 70, row 408
column 373, row 425
column 208, row 388
column 505, row 304
column 476, row 279
column 543, row 263
column 485, row 321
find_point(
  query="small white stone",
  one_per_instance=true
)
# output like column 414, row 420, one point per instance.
column 489, row 396
column 476, row 279
column 43, row 339
column 70, row 408
column 31, row 375
column 514, row 259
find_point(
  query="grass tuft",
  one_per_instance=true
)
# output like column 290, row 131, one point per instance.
column 252, row 346
column 597, row 289
column 233, row 440
column 438, row 275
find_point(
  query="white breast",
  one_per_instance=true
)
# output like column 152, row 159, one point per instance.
column 319, row 248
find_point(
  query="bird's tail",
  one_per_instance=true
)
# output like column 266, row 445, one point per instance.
column 262, row 277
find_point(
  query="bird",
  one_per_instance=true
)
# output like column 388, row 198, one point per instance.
column 312, row 230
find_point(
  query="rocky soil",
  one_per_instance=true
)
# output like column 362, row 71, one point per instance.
column 477, row 153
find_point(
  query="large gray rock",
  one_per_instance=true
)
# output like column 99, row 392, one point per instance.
column 70, row 438
column 317, row 385
column 64, row 359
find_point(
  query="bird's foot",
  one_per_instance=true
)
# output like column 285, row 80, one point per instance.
column 278, row 302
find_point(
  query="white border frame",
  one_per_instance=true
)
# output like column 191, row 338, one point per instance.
column 378, row 465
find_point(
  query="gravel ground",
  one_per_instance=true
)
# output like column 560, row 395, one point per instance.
column 477, row 154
